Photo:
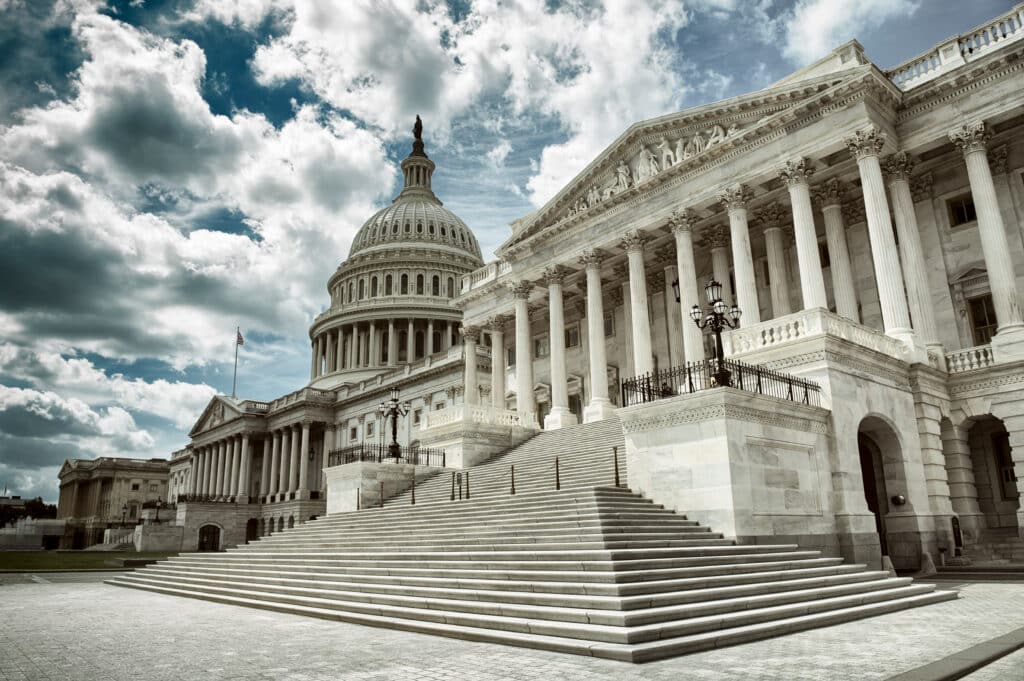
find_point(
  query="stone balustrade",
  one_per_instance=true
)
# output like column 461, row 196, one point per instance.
column 959, row 50
column 482, row 414
column 969, row 359
column 805, row 324
column 487, row 273
column 303, row 395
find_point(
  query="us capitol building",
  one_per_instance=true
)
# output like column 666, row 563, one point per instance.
column 866, row 224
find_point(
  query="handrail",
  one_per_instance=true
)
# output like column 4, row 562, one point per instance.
column 702, row 375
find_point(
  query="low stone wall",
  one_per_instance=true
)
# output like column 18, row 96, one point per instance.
column 467, row 443
column 152, row 537
column 359, row 484
column 752, row 467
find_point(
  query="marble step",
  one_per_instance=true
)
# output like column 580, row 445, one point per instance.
column 548, row 578
column 308, row 584
column 584, row 631
column 557, row 543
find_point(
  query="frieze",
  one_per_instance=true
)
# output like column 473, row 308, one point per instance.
column 957, row 388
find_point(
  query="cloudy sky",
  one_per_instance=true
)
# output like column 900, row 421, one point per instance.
column 170, row 169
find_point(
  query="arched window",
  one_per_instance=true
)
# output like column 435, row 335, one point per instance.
column 373, row 287
column 419, row 284
column 430, row 228
column 435, row 286
column 394, row 228
column 405, row 284
column 387, row 285
column 444, row 231
column 362, row 289
column 350, row 297
column 451, row 287
column 420, row 340
column 407, row 228
column 419, row 228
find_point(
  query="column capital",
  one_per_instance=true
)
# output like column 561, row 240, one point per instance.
column 521, row 289
column 554, row 274
column 682, row 220
column 796, row 171
column 715, row 236
column 997, row 159
column 970, row 137
column 898, row 166
column 633, row 241
column 470, row 332
column 590, row 259
column 830, row 192
column 736, row 197
column 771, row 216
column 866, row 142
column 921, row 187
column 497, row 322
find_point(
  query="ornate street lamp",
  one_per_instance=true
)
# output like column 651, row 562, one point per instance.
column 719, row 316
column 393, row 408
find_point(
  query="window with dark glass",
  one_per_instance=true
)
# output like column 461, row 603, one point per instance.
column 961, row 210
column 419, row 284
column 983, row 319
column 405, row 284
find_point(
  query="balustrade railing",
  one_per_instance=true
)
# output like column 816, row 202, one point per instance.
column 477, row 413
column 969, row 359
column 807, row 323
column 697, row 376
column 379, row 452
column 208, row 499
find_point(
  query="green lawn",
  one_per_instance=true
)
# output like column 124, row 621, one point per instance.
column 66, row 560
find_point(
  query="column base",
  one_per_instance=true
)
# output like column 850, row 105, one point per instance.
column 1008, row 343
column 599, row 409
column 559, row 417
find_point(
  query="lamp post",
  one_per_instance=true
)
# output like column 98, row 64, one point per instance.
column 393, row 408
column 159, row 503
column 719, row 316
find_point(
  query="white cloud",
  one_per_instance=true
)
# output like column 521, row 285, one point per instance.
column 497, row 155
column 815, row 27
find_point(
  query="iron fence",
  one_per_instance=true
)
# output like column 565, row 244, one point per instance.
column 385, row 453
column 704, row 375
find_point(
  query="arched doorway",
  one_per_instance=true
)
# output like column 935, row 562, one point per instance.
column 885, row 490
column 209, row 538
column 994, row 476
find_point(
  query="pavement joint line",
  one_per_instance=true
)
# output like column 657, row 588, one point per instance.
column 963, row 662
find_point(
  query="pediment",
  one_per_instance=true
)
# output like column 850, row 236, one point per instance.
column 218, row 411
column 652, row 151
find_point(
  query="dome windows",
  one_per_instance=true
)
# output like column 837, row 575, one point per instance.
column 387, row 285
column 419, row 284
column 430, row 228
column 405, row 284
column 435, row 286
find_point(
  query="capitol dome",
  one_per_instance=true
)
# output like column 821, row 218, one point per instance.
column 391, row 298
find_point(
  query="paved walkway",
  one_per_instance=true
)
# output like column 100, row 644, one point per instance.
column 83, row 630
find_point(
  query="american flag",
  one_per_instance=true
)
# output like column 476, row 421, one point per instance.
column 239, row 340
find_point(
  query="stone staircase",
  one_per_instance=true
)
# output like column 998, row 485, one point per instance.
column 590, row 569
column 997, row 546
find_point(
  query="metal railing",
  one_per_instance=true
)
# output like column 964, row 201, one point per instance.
column 697, row 376
column 205, row 499
column 383, row 453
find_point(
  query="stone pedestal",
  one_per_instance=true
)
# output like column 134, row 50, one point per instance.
column 358, row 485
column 158, row 538
column 470, row 438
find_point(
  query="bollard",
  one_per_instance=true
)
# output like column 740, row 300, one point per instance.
column 357, row 501
column 453, row 487
column 414, row 488
column 458, row 478
column 382, row 494
column 513, row 471
column 558, row 479
column 615, row 454
column 467, row 485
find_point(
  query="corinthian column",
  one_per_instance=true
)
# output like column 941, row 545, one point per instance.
column 600, row 406
column 682, row 229
column 293, row 466
column 771, row 218
column 329, row 353
column 470, row 335
column 633, row 243
column 235, row 459
column 865, row 146
column 275, row 464
column 915, row 274
column 843, row 290
column 526, row 403
column 1008, row 343
column 716, row 238
column 392, row 343
column 303, row 489
column 812, row 283
column 736, row 199
column 282, row 480
column 559, row 415
column 497, row 326
column 314, row 365
column 243, row 471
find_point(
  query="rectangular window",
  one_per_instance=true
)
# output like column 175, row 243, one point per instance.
column 152, row 488
column 352, row 434
column 541, row 347
column 961, row 210
column 609, row 325
column 983, row 319
column 510, row 357
column 135, row 487
column 416, row 416
column 572, row 336
column 439, row 406
column 369, row 429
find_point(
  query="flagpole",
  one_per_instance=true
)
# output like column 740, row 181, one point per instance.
column 234, row 378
